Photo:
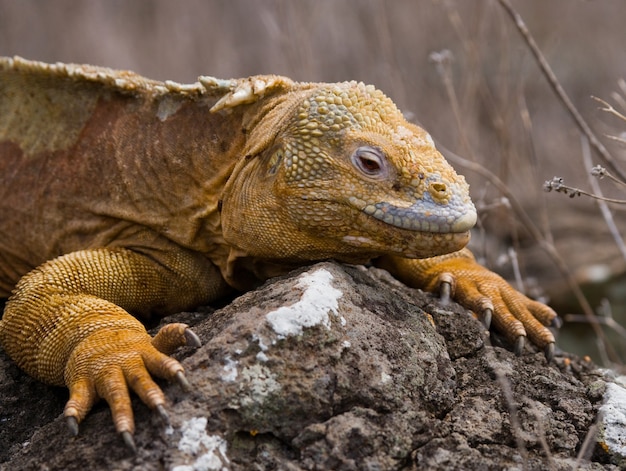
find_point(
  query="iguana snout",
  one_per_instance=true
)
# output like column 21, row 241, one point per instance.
column 347, row 175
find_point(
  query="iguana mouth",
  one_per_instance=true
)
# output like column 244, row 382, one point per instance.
column 422, row 217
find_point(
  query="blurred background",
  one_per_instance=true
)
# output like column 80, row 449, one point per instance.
column 458, row 68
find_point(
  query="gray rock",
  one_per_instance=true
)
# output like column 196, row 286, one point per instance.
column 330, row 368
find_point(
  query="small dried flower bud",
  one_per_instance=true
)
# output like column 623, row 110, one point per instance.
column 598, row 171
column 555, row 184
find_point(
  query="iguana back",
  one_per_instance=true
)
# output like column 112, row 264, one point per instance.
column 90, row 158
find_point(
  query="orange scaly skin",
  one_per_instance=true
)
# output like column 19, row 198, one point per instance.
column 122, row 196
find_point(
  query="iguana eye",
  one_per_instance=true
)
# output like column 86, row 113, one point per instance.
column 370, row 161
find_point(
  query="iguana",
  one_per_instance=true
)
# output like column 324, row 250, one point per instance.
column 122, row 195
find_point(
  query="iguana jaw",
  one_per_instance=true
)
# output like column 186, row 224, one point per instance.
column 376, row 236
column 423, row 215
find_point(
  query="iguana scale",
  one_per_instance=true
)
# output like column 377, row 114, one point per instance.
column 121, row 195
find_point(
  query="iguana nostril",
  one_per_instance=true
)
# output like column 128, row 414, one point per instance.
column 438, row 190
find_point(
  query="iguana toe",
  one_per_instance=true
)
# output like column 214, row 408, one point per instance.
column 513, row 314
column 82, row 398
column 172, row 336
column 111, row 386
column 446, row 289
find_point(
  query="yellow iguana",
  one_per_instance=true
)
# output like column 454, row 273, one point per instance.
column 121, row 195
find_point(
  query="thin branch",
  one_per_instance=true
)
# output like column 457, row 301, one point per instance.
column 609, row 109
column 604, row 208
column 443, row 63
column 556, row 184
column 607, row 321
column 509, row 399
column 586, row 449
column 621, row 140
column 604, row 154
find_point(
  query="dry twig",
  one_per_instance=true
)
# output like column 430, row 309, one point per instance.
column 603, row 152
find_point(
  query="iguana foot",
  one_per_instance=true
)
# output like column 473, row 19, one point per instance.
column 495, row 301
column 109, row 362
column 458, row 276
column 446, row 283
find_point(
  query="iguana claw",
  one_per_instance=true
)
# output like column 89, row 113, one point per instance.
column 172, row 336
column 445, row 290
column 487, row 316
column 556, row 323
column 192, row 339
column 163, row 414
column 72, row 425
column 518, row 348
column 129, row 441
column 548, row 351
column 109, row 363
column 183, row 382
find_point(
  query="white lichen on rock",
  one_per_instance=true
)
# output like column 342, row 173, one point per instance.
column 318, row 299
column 230, row 369
column 261, row 356
column 613, row 413
column 206, row 452
column 258, row 382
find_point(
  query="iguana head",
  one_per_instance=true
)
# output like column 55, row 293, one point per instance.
column 341, row 174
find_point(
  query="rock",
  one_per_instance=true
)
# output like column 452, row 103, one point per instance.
column 612, row 421
column 331, row 368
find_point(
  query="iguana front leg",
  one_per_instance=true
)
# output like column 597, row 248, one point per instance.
column 482, row 291
column 68, row 323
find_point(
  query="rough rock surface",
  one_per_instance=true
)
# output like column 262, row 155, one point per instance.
column 331, row 368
